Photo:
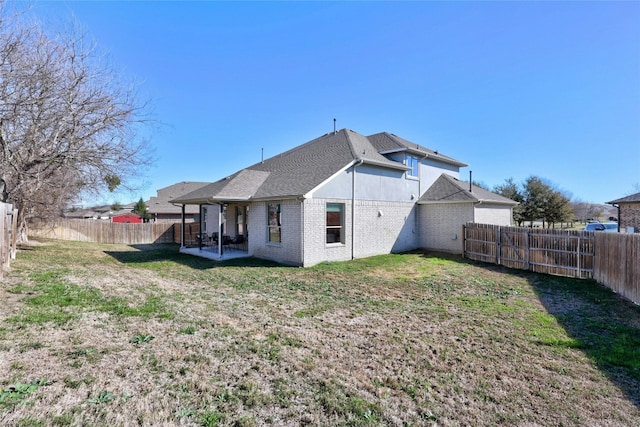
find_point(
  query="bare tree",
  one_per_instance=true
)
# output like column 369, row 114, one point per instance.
column 67, row 122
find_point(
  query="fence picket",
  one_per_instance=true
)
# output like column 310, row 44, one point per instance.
column 104, row 232
column 612, row 259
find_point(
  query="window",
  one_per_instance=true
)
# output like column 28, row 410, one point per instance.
column 413, row 163
column 274, row 223
column 335, row 223
column 239, row 220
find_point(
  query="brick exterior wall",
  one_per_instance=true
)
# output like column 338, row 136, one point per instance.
column 289, row 251
column 441, row 225
column 630, row 216
column 380, row 228
column 171, row 218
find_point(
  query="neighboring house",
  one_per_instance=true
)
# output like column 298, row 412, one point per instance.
column 129, row 218
column 162, row 210
column 338, row 197
column 104, row 212
column 628, row 212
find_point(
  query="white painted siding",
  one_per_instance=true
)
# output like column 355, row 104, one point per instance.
column 372, row 183
column 431, row 170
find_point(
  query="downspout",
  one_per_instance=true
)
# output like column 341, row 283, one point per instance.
column 353, row 207
column 302, row 228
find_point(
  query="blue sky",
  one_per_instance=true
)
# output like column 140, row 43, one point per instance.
column 514, row 89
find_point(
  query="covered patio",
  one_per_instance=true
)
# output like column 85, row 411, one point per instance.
column 212, row 253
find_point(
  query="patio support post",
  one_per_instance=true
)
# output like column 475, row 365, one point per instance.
column 182, row 231
column 220, row 237
column 200, row 228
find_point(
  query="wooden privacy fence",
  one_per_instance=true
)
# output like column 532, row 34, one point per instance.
column 191, row 232
column 617, row 263
column 560, row 252
column 610, row 258
column 8, row 216
column 89, row 230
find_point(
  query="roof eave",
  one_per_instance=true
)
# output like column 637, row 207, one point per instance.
column 446, row 202
column 398, row 166
column 287, row 197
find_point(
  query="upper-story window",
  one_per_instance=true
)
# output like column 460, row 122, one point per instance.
column 413, row 163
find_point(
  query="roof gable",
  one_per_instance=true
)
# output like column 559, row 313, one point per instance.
column 386, row 142
column 447, row 189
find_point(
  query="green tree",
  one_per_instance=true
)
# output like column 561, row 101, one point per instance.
column 141, row 209
column 538, row 201
column 510, row 190
column 543, row 202
column 557, row 209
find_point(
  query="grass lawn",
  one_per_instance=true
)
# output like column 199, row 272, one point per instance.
column 112, row 335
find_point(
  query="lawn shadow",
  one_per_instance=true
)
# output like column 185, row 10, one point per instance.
column 164, row 252
column 602, row 324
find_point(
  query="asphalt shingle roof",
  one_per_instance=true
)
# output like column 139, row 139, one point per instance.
column 628, row 199
column 295, row 172
column 162, row 205
column 386, row 142
column 447, row 189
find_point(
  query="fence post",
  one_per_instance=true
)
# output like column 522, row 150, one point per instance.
column 14, row 233
column 464, row 241
column 498, row 238
column 4, row 240
column 578, row 263
column 527, row 250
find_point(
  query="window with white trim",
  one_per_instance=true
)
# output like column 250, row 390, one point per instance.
column 335, row 223
column 274, row 223
column 413, row 163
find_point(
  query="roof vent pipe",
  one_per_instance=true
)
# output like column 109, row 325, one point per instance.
column 470, row 181
column 334, row 126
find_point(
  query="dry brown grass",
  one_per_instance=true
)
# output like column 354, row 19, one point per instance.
column 396, row 340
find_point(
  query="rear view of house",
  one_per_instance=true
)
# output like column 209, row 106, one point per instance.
column 338, row 197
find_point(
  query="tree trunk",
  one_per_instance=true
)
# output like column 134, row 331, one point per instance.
column 22, row 233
